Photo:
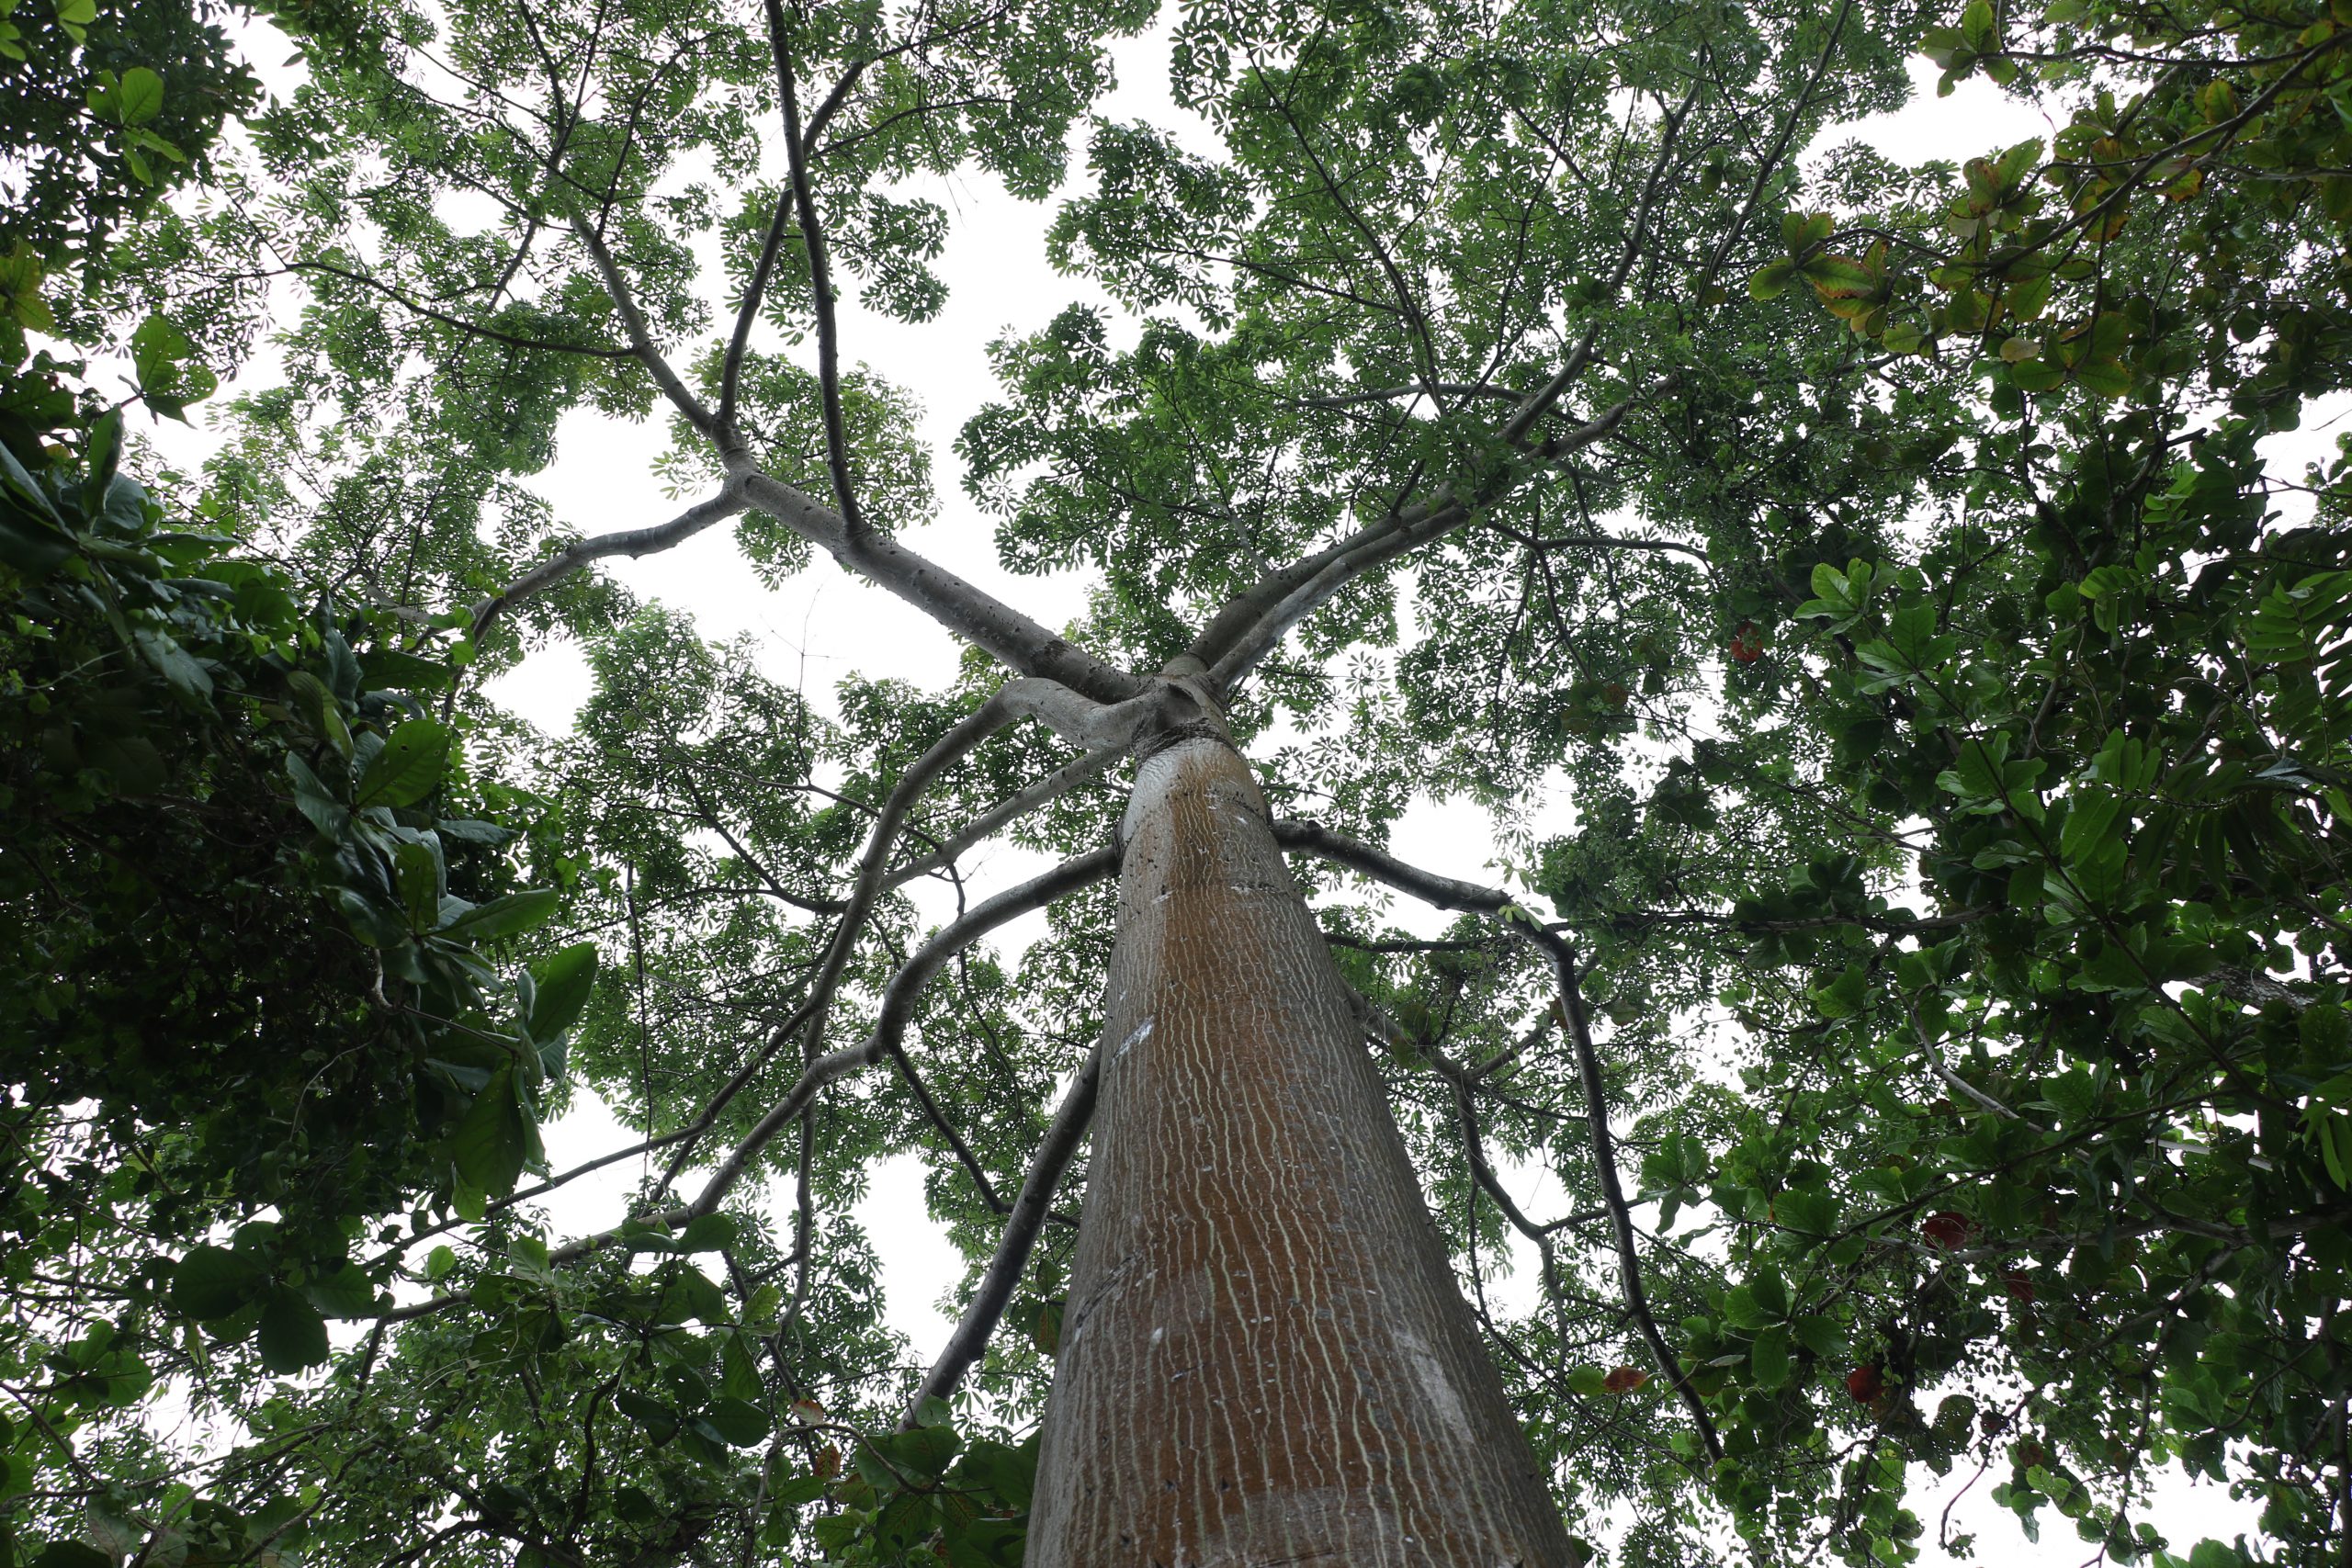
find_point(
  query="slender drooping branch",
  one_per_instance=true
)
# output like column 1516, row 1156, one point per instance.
column 1052, row 704
column 946, row 1129
column 895, row 1014
column 1464, row 1081
column 1052, row 787
column 1249, row 627
column 813, row 1013
column 1770, row 164
column 1448, row 893
column 899, row 1000
column 641, row 336
column 1612, row 1190
column 1020, row 1228
column 631, row 542
column 1542, row 545
column 821, row 280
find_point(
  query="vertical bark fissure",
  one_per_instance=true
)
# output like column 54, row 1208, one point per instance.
column 1266, row 1358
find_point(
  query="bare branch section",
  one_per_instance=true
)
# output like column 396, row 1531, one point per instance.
column 1251, row 624
column 1051, row 704
column 1012, row 1249
column 632, row 542
column 1770, row 164
column 1447, row 892
column 813, row 1013
column 1544, row 546
column 1465, row 1082
column 898, row 1002
column 821, row 280
column 889, row 1031
column 1051, row 789
column 968, row 611
column 641, row 336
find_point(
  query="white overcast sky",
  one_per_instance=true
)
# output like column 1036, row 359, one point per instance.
column 824, row 624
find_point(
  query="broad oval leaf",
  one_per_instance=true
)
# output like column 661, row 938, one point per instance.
column 293, row 1335
column 409, row 768
column 214, row 1282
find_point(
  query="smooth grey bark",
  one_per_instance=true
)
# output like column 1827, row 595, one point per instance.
column 1265, row 1358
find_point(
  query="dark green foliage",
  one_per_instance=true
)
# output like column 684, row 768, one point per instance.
column 1951, row 708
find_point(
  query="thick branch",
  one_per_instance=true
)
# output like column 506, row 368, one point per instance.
column 747, row 312
column 1020, row 1228
column 1052, row 787
column 1252, row 621
column 1249, row 627
column 635, row 543
column 1417, row 390
column 641, row 336
column 969, row 612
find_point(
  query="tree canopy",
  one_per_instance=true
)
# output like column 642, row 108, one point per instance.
column 1914, row 719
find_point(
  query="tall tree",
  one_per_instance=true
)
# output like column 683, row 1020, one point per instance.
column 1951, row 925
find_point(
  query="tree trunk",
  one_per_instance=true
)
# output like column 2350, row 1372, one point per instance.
column 1265, row 1358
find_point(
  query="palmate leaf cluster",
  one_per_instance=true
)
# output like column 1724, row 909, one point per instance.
column 1944, row 694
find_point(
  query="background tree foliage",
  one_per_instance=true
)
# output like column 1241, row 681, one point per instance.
column 1951, row 710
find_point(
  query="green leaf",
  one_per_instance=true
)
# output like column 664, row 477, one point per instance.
column 562, row 982
column 493, row 1141
column 293, row 1335
column 709, row 1233
column 503, row 917
column 440, row 1263
column 156, row 348
column 1843, row 996
column 1772, row 1293
column 2106, row 378
column 389, row 668
column 408, row 769
column 416, row 873
column 104, row 453
column 1842, row 277
column 1771, row 280
column 179, row 669
column 1770, row 1357
column 212, row 1282
column 141, row 97
column 661, row 1422
column 737, row 1422
column 72, row 1553
column 1820, row 1335
column 1976, row 26
column 347, row 1292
